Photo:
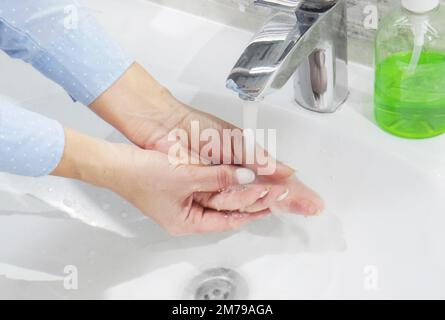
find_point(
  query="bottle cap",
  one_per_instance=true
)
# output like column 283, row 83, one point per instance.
column 420, row 6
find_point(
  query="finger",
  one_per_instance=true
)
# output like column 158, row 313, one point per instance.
column 216, row 221
column 179, row 153
column 276, row 193
column 300, row 205
column 233, row 198
column 265, row 165
column 298, row 198
column 262, row 163
column 246, row 152
column 218, row 178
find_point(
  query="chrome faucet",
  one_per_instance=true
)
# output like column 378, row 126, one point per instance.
column 306, row 38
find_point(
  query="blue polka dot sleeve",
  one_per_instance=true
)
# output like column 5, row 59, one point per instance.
column 30, row 144
column 65, row 43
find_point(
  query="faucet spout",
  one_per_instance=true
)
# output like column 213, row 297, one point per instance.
column 308, row 41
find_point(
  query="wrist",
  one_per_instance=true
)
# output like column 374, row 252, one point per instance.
column 87, row 159
column 139, row 107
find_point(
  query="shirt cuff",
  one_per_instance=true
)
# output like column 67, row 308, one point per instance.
column 30, row 144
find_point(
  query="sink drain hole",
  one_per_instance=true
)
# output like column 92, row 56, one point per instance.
column 218, row 284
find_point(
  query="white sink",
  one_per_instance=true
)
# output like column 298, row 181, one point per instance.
column 381, row 236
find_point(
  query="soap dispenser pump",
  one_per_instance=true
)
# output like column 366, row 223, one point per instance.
column 410, row 70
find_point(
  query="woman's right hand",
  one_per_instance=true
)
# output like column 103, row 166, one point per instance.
column 183, row 199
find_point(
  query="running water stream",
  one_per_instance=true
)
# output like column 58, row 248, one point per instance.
column 250, row 122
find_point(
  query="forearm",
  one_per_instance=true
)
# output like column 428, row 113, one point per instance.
column 77, row 54
column 137, row 105
column 87, row 159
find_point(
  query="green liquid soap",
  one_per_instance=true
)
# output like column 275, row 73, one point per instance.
column 411, row 104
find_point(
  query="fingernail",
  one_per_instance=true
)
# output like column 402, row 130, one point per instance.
column 283, row 196
column 264, row 193
column 245, row 176
column 310, row 208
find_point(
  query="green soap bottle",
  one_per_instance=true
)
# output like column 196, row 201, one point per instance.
column 410, row 70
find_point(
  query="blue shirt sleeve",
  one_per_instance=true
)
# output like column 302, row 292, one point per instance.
column 30, row 144
column 65, row 43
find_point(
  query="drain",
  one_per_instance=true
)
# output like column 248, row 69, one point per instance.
column 217, row 284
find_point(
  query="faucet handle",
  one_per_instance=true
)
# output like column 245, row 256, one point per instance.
column 280, row 5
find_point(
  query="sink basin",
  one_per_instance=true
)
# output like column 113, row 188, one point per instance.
column 381, row 236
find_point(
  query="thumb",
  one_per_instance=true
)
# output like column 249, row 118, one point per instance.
column 217, row 178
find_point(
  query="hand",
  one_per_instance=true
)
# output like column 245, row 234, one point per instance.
column 182, row 199
column 145, row 112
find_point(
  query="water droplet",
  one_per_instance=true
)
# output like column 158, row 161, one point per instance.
column 68, row 203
